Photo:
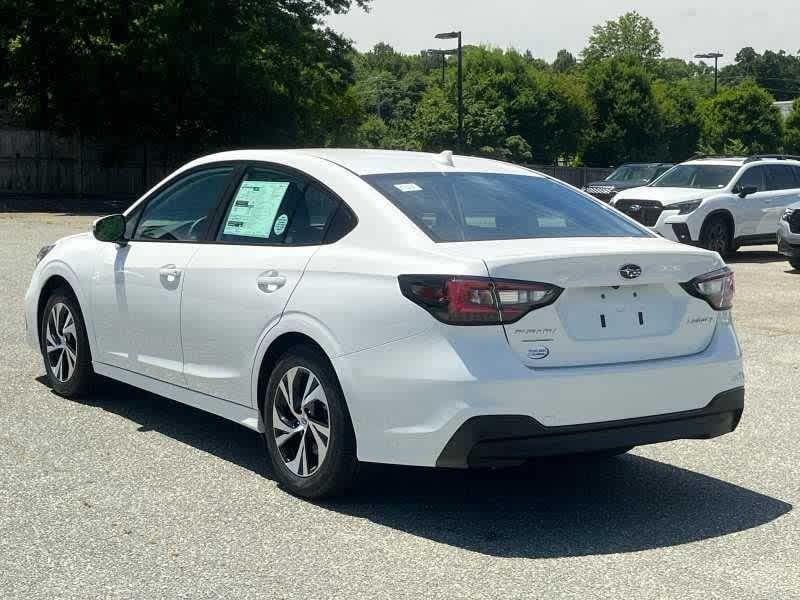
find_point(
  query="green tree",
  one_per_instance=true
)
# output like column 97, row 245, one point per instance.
column 564, row 62
column 206, row 72
column 745, row 113
column 777, row 72
column 792, row 138
column 627, row 123
column 631, row 36
column 677, row 103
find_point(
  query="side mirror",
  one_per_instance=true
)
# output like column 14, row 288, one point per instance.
column 746, row 190
column 110, row 229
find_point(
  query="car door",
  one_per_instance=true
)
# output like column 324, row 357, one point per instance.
column 237, row 287
column 749, row 211
column 782, row 191
column 136, row 289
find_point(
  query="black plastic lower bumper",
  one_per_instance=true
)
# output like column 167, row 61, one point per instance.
column 506, row 440
column 788, row 249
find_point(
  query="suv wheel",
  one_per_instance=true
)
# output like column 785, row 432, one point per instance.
column 308, row 431
column 65, row 346
column 795, row 262
column 716, row 236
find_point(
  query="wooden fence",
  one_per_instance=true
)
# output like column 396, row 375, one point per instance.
column 42, row 162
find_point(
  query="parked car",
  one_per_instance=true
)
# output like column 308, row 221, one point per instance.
column 718, row 203
column 789, row 235
column 393, row 307
column 629, row 175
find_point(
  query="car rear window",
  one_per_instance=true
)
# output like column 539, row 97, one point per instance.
column 457, row 207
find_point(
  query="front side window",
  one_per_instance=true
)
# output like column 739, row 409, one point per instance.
column 455, row 207
column 702, row 177
column 754, row 176
column 182, row 211
column 275, row 208
column 781, row 177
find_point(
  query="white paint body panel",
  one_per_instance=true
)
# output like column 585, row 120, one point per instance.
column 409, row 380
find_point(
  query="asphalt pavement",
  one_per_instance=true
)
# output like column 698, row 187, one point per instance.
column 129, row 495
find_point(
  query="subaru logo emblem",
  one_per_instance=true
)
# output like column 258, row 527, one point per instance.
column 630, row 271
column 634, row 208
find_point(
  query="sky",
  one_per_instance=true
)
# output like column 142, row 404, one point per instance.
column 686, row 27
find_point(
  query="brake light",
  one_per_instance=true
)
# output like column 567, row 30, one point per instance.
column 476, row 300
column 717, row 288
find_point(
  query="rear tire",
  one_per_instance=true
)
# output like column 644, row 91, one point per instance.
column 308, row 431
column 717, row 236
column 65, row 346
column 795, row 262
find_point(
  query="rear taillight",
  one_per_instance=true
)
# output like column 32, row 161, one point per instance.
column 476, row 300
column 716, row 288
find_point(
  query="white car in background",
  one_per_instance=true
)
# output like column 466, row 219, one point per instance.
column 789, row 235
column 717, row 203
column 393, row 307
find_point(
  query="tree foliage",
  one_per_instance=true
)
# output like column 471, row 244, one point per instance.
column 744, row 113
column 234, row 72
column 777, row 72
column 627, row 124
column 630, row 37
column 206, row 74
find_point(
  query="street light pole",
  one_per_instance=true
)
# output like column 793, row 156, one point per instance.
column 716, row 56
column 460, row 96
column 457, row 36
column 443, row 54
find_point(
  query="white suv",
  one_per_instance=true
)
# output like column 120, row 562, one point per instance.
column 719, row 203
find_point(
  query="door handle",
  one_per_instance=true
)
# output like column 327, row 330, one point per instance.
column 271, row 281
column 170, row 272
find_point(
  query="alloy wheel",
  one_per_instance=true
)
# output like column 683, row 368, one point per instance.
column 61, row 342
column 718, row 238
column 301, row 421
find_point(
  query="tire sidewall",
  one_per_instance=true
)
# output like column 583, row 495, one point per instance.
column 718, row 221
column 80, row 381
column 338, row 468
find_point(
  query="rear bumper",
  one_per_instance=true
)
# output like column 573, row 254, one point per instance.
column 407, row 399
column 504, row 440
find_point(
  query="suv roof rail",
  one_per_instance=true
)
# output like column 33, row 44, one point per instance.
column 756, row 157
column 700, row 155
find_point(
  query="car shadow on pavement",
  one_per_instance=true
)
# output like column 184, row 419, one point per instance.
column 550, row 508
column 755, row 256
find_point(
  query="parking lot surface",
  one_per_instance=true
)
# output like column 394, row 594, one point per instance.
column 128, row 495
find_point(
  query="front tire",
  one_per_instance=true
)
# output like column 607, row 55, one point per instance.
column 308, row 432
column 717, row 236
column 65, row 346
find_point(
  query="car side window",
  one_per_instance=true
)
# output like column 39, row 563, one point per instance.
column 754, row 176
column 183, row 210
column 275, row 208
column 781, row 177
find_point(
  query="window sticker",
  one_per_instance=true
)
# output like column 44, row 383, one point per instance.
column 254, row 208
column 408, row 187
column 280, row 224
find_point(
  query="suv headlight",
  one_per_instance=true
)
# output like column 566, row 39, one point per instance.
column 43, row 251
column 787, row 214
column 684, row 208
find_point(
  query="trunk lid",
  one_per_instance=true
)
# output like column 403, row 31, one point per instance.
column 602, row 317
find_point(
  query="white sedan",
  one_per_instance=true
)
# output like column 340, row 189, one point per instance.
column 393, row 307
